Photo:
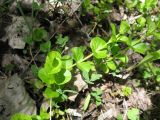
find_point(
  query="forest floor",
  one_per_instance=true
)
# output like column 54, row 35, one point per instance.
column 22, row 91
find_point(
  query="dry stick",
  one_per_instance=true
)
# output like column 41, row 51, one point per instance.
column 50, row 110
column 95, row 25
column 58, row 28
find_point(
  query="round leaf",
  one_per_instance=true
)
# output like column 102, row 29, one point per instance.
column 49, row 93
column 45, row 77
column 63, row 77
column 98, row 47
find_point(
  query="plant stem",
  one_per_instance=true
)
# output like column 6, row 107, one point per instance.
column 89, row 56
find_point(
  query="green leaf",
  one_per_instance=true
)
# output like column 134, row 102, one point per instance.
column 21, row 116
column 134, row 42
column 115, row 49
column 85, row 66
column 158, row 78
column 125, row 39
column 45, row 47
column 49, row 93
column 133, row 114
column 150, row 4
column 124, row 27
column 113, row 37
column 39, row 84
column 28, row 40
column 157, row 35
column 86, row 77
column 123, row 58
column 140, row 48
column 34, row 69
column 45, row 77
column 78, row 53
column 126, row 90
column 44, row 115
column 63, row 77
column 151, row 26
column 111, row 65
column 67, row 62
column 98, row 47
column 141, row 21
column 87, row 101
column 53, row 62
column 95, row 77
column 131, row 3
column 39, row 34
column 119, row 117
column 150, row 57
column 61, row 40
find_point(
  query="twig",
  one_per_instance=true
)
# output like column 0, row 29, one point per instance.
column 95, row 24
column 126, row 109
column 58, row 28
column 50, row 110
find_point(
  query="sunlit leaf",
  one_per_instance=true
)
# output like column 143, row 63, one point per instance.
column 98, row 47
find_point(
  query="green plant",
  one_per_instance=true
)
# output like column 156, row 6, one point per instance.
column 126, row 91
column 97, row 93
column 61, row 41
column 142, row 6
column 133, row 114
column 100, row 9
column 21, row 116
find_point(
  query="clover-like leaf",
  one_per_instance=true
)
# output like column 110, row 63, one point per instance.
column 95, row 77
column 67, row 62
column 111, row 65
column 53, row 62
column 61, row 40
column 49, row 93
column 78, row 53
column 45, row 77
column 99, row 47
column 39, row 34
column 85, row 66
column 133, row 114
column 63, row 77
column 45, row 47
column 141, row 21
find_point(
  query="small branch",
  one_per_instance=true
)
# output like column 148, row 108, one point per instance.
column 50, row 110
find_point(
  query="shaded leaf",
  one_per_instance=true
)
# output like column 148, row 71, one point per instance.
column 45, row 47
column 63, row 77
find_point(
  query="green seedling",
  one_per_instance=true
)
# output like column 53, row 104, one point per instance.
column 96, row 94
column 126, row 91
column 133, row 114
column 61, row 41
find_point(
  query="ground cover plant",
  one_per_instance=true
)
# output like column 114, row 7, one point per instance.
column 111, row 45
